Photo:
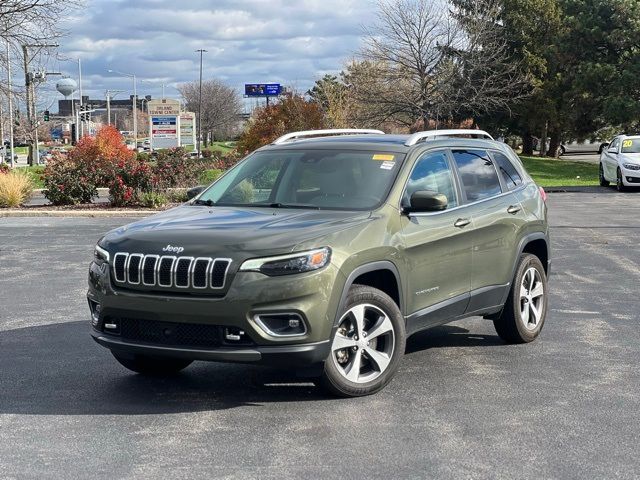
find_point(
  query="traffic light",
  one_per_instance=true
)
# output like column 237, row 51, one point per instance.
column 46, row 116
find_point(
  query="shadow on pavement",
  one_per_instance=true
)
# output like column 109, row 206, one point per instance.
column 59, row 370
column 447, row 336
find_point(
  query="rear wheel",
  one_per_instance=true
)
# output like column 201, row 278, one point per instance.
column 562, row 150
column 367, row 346
column 151, row 365
column 619, row 182
column 603, row 181
column 524, row 312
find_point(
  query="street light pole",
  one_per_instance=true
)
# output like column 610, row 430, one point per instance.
column 200, row 105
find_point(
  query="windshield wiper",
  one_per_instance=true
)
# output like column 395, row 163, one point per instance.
column 292, row 205
column 208, row 203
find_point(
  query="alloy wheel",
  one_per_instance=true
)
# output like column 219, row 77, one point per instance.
column 364, row 343
column 531, row 299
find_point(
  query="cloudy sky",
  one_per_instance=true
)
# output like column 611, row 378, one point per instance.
column 291, row 42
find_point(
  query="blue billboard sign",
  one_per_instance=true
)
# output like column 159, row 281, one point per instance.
column 262, row 89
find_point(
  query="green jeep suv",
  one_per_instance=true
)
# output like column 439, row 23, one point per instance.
column 323, row 252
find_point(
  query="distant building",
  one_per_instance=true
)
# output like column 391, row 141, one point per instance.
column 67, row 108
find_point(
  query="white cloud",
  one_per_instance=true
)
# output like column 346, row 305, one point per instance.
column 293, row 42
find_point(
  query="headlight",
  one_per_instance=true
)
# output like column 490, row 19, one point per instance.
column 631, row 166
column 288, row 264
column 100, row 254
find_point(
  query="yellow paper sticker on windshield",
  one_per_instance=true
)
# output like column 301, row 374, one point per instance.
column 384, row 157
column 627, row 143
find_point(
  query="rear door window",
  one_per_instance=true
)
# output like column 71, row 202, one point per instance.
column 478, row 174
column 510, row 175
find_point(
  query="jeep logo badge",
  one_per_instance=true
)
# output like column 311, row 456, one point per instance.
column 172, row 249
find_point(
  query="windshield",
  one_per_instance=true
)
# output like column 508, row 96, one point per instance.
column 631, row 145
column 333, row 179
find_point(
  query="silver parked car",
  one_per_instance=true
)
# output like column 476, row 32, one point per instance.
column 582, row 146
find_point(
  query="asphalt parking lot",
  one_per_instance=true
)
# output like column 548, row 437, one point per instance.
column 463, row 404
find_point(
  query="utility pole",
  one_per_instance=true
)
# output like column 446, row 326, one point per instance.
column 80, row 126
column 134, row 101
column 135, row 114
column 2, row 129
column 28, row 82
column 108, row 107
column 10, row 97
column 200, row 106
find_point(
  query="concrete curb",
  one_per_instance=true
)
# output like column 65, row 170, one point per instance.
column 75, row 213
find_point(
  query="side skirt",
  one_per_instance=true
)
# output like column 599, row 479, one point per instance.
column 480, row 302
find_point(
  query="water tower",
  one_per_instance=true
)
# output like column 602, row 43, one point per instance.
column 66, row 86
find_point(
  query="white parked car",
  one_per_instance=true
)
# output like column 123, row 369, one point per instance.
column 620, row 162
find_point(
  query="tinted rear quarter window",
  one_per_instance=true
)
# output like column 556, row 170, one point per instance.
column 478, row 174
column 509, row 173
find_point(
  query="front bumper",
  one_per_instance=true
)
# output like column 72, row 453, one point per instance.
column 284, row 355
column 311, row 296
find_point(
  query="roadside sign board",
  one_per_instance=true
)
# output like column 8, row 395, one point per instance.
column 188, row 130
column 164, row 120
column 262, row 89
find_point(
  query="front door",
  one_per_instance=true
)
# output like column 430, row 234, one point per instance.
column 437, row 246
column 610, row 160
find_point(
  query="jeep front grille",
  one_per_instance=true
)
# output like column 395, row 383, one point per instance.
column 169, row 271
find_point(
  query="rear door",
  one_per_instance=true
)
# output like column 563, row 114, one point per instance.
column 497, row 216
column 437, row 246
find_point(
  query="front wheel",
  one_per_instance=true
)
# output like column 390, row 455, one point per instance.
column 603, row 180
column 151, row 365
column 620, row 182
column 524, row 312
column 367, row 346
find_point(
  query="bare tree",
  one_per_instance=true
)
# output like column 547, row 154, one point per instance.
column 26, row 26
column 424, row 61
column 221, row 107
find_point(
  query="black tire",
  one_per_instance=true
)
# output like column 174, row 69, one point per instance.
column 510, row 324
column 562, row 151
column 154, row 366
column 619, row 183
column 333, row 379
column 603, row 181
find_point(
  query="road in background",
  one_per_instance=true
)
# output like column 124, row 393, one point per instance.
column 463, row 404
column 589, row 158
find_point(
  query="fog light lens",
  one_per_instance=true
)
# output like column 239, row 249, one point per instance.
column 281, row 324
column 95, row 312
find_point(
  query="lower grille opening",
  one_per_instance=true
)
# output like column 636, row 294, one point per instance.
column 171, row 333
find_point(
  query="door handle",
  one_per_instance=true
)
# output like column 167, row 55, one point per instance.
column 462, row 222
column 513, row 209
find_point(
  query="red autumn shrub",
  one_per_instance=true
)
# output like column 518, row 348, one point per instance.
column 69, row 181
column 130, row 179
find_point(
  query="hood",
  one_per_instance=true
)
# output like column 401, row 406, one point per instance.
column 630, row 157
column 232, row 232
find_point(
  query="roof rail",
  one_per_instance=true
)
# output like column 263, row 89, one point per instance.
column 416, row 137
column 325, row 133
